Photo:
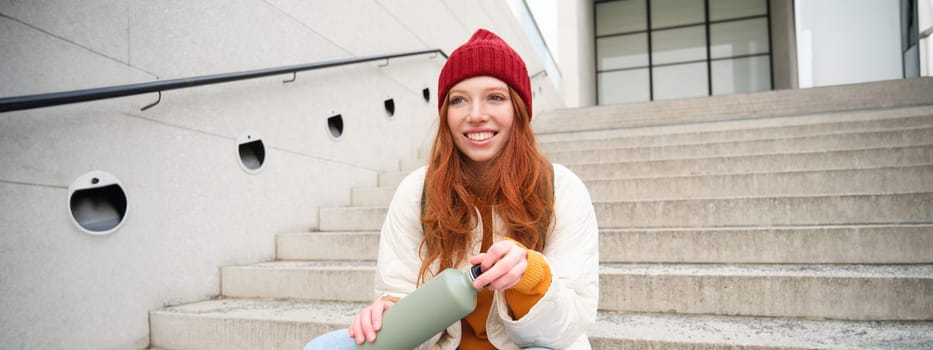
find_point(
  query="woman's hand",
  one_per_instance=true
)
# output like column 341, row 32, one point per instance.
column 369, row 321
column 503, row 265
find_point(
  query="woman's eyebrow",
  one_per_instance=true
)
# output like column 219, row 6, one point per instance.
column 485, row 90
column 459, row 91
column 496, row 89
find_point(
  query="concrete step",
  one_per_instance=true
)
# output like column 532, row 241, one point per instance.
column 233, row 324
column 846, row 244
column 832, row 137
column 742, row 164
column 371, row 196
column 833, row 160
column 352, row 246
column 879, row 95
column 741, row 130
column 878, row 180
column 820, row 182
column 895, row 292
column 903, row 292
column 768, row 211
column 695, row 332
column 246, row 324
column 322, row 280
column 820, row 143
column 729, row 131
column 715, row 212
column 412, row 164
column 351, row 218
column 327, row 246
column 391, row 179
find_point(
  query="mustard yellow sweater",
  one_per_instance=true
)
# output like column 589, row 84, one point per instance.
column 520, row 298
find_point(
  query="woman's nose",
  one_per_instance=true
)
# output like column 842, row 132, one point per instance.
column 477, row 112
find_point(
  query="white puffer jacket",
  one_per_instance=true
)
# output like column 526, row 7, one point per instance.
column 559, row 320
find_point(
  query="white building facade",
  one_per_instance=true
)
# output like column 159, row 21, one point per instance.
column 647, row 50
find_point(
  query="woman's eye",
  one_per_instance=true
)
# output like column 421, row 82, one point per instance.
column 456, row 100
column 497, row 98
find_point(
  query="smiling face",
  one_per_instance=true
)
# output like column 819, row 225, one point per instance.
column 480, row 116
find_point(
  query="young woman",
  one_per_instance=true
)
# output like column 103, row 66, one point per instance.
column 487, row 196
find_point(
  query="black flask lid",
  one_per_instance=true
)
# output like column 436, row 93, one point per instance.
column 475, row 271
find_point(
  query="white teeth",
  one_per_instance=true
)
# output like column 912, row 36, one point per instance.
column 479, row 136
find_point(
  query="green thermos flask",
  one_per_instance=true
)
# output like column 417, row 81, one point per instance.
column 428, row 310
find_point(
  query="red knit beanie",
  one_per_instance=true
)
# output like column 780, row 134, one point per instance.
column 485, row 54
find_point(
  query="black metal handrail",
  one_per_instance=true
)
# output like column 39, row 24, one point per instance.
column 17, row 103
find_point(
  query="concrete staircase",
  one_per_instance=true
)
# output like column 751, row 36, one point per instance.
column 783, row 220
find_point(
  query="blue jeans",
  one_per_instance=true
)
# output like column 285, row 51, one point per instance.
column 340, row 340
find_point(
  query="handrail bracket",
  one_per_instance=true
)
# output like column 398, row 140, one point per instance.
column 152, row 104
column 294, row 77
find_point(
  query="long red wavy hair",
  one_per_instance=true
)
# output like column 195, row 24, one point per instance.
column 518, row 187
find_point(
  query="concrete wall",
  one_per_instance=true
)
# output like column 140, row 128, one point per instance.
column 191, row 207
column 783, row 45
column 925, row 18
column 847, row 41
column 577, row 53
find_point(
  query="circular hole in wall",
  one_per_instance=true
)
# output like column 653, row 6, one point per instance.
column 389, row 104
column 335, row 126
column 97, row 203
column 251, row 152
column 426, row 93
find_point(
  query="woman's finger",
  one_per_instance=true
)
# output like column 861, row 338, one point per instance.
column 380, row 308
column 356, row 329
column 511, row 277
column 508, row 270
column 495, row 253
column 503, row 266
column 366, row 323
column 476, row 259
